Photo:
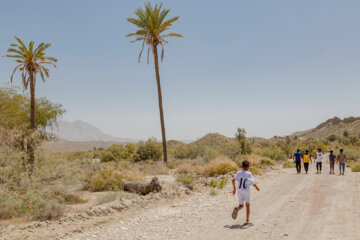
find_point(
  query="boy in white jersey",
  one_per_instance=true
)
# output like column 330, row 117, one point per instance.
column 245, row 179
column 318, row 158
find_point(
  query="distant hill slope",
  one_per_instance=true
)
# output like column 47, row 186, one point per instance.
column 82, row 131
column 213, row 140
column 334, row 126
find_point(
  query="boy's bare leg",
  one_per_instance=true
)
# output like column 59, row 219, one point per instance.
column 236, row 210
column 247, row 213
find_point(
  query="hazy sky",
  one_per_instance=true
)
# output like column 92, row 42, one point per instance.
column 271, row 67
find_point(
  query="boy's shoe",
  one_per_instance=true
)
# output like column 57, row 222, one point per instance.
column 234, row 213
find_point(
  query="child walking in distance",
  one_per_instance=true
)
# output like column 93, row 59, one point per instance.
column 332, row 159
column 306, row 161
column 318, row 158
column 297, row 160
column 341, row 158
column 244, row 179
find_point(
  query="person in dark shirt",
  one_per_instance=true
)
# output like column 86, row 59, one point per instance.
column 332, row 159
column 297, row 160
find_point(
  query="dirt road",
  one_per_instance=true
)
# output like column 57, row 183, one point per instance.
column 289, row 206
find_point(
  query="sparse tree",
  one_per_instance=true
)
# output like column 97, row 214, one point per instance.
column 245, row 146
column 346, row 133
column 151, row 25
column 31, row 62
column 332, row 138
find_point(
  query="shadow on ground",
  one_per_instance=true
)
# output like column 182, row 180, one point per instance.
column 238, row 226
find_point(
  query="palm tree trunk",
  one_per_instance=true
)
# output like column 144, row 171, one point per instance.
column 31, row 145
column 156, row 60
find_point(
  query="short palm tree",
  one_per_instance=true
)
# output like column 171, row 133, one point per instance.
column 31, row 61
column 151, row 25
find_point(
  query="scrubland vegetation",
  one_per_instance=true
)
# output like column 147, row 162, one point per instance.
column 45, row 192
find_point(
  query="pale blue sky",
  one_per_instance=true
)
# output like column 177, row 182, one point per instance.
column 271, row 67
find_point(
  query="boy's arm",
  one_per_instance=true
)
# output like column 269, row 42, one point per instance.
column 234, row 187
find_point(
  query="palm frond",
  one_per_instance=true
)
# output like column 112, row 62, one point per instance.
column 151, row 23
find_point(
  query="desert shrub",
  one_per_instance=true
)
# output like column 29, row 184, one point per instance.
column 70, row 198
column 31, row 203
column 273, row 152
column 185, row 179
column 218, row 184
column 332, row 138
column 213, row 192
column 149, row 150
column 355, row 167
column 222, row 183
column 218, row 166
column 231, row 150
column 107, row 156
column 288, row 164
column 107, row 179
column 267, row 162
column 352, row 153
column 118, row 152
column 213, row 183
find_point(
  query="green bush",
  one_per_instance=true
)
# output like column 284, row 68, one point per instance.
column 273, row 152
column 118, row 152
column 288, row 164
column 213, row 183
column 107, row 156
column 107, row 179
column 149, row 150
column 185, row 179
column 222, row 183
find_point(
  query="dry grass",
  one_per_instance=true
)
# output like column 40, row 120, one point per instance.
column 133, row 175
column 218, row 166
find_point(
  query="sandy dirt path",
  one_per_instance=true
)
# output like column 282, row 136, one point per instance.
column 289, row 206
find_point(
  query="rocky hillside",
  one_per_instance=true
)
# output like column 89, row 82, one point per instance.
column 334, row 126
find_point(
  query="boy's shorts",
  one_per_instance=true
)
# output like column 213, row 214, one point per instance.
column 243, row 196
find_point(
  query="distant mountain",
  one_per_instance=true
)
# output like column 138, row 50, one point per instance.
column 334, row 126
column 81, row 131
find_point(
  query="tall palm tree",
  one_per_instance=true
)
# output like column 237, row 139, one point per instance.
column 151, row 25
column 31, row 61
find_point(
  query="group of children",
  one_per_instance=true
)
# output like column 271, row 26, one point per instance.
column 306, row 159
column 244, row 178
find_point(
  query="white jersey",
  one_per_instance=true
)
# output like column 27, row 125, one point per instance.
column 319, row 157
column 244, row 179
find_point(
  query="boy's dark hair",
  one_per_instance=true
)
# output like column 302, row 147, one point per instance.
column 245, row 164
column 307, row 151
column 331, row 151
column 319, row 149
column 298, row 150
column 341, row 150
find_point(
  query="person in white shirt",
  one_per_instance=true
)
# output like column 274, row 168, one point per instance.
column 244, row 179
column 319, row 157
